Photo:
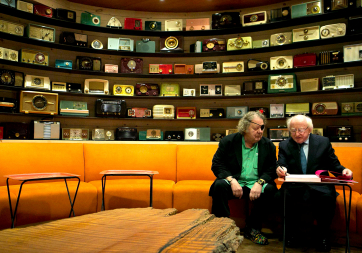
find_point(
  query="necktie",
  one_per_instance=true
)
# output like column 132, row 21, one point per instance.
column 303, row 160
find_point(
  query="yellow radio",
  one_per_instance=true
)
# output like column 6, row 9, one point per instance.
column 39, row 102
column 239, row 43
column 34, row 57
column 235, row 66
column 8, row 54
column 40, row 32
column 297, row 108
column 12, row 28
column 123, row 90
column 306, row 33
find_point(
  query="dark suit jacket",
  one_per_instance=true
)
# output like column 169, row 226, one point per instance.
column 228, row 159
column 320, row 157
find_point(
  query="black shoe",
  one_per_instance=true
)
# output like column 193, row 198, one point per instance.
column 324, row 245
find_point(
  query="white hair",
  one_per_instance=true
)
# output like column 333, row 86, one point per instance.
column 301, row 117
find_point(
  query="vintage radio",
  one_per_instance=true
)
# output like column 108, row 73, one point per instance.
column 133, row 23
column 88, row 18
column 37, row 82
column 340, row 133
column 24, row 6
column 210, row 89
column 334, row 30
column 10, row 3
column 207, row 67
column 254, row 87
column 172, row 44
column 15, row 130
column 163, row 112
column 46, row 130
column 39, row 102
column 131, row 65
column 352, row 53
column 354, row 24
column 114, row 22
column 109, row 108
column 89, row 63
column 96, row 44
column 304, row 60
column 278, row 134
column 213, row 44
column 231, row 131
column 255, row 18
column 279, row 39
column 231, row 67
column 282, row 83
column 98, row 134
column 59, row 86
column 276, row 110
column 306, row 33
column 212, row 113
column 73, row 108
column 280, row 14
column 75, row 134
column 34, row 57
column 123, row 90
column 257, row 65
column 232, row 90
column 170, row 90
column 262, row 110
column 137, row 112
column 318, row 131
column 225, row 20
column 281, row 62
column 174, row 135
column 74, row 39
column 147, row 89
column 325, row 108
column 110, row 68
column 184, row 69
column 189, row 92
column 218, row 137
column 332, row 5
column 197, row 134
column 11, row 78
column 8, row 105
column 151, row 135
column 153, row 26
column 197, row 24
column 74, row 87
column 125, row 44
column 338, row 82
column 239, row 43
column 260, row 43
column 96, row 86
column 173, row 25
column 64, row 14
column 8, row 54
column 43, row 10
column 64, row 64
column 160, row 69
column 185, row 112
column 145, row 46
column 236, row 112
column 126, row 134
column 351, row 108
column 11, row 28
column 306, row 9
column 311, row 84
column 329, row 57
column 296, row 108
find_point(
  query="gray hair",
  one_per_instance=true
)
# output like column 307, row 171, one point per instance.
column 244, row 122
column 301, row 118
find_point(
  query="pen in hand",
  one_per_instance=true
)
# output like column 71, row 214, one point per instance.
column 283, row 168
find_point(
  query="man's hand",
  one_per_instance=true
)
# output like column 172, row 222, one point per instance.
column 348, row 173
column 236, row 188
column 255, row 191
column 282, row 172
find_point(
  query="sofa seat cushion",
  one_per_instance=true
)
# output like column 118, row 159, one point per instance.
column 49, row 201
column 132, row 193
column 192, row 194
column 5, row 218
column 359, row 215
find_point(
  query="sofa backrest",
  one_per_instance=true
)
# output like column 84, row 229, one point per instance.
column 194, row 162
column 23, row 158
column 113, row 156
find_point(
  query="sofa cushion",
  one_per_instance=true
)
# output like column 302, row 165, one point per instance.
column 359, row 215
column 132, row 193
column 21, row 158
column 155, row 157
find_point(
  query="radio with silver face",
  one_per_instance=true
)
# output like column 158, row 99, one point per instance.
column 231, row 67
column 236, row 112
column 306, row 33
column 96, row 86
column 338, row 82
column 334, row 30
column 75, row 134
column 352, row 53
column 281, row 62
column 37, row 82
column 197, row 134
column 8, row 54
column 279, row 39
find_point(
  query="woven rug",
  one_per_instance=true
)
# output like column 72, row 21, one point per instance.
column 128, row 230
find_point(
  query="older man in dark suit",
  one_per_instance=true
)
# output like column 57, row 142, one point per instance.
column 244, row 165
column 305, row 153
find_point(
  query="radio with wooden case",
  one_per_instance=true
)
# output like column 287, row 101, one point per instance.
column 325, row 108
column 38, row 102
column 96, row 86
column 46, row 130
column 340, row 133
column 351, row 108
column 254, row 87
column 171, row 44
column 74, row 39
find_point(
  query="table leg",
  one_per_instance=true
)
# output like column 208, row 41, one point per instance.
column 13, row 215
column 103, row 189
column 284, row 218
column 70, row 199
column 151, row 189
column 347, row 215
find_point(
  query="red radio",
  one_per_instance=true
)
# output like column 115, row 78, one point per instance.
column 43, row 10
column 133, row 23
column 1, row 133
column 131, row 65
column 160, row 69
column 139, row 112
column 186, row 112
column 304, row 60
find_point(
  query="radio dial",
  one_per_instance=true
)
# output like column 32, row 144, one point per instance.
column 281, row 38
column 39, row 102
column 128, row 90
column 325, row 32
column 95, row 20
column 254, row 18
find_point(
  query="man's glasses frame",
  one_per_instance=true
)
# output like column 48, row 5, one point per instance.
column 261, row 126
column 299, row 130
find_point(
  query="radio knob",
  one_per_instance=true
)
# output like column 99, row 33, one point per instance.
column 340, row 138
column 346, row 139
